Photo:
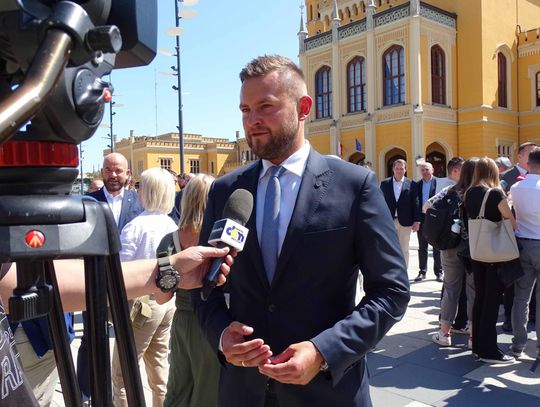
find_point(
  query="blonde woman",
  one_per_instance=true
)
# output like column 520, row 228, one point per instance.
column 151, row 322
column 194, row 373
column 487, row 285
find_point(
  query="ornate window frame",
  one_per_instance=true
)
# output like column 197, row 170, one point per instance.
column 504, row 50
column 402, row 88
column 325, row 109
column 363, row 84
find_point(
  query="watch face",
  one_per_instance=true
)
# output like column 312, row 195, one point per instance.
column 168, row 281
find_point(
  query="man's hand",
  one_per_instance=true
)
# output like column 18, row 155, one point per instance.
column 193, row 262
column 240, row 352
column 415, row 227
column 298, row 364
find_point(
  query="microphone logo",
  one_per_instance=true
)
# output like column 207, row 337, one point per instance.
column 235, row 234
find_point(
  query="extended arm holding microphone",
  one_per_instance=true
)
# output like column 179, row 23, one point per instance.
column 228, row 232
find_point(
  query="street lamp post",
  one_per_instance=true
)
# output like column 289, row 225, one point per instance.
column 178, row 88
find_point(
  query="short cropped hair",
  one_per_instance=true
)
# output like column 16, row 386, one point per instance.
column 193, row 204
column 157, row 190
column 503, row 162
column 534, row 158
column 525, row 145
column 455, row 162
column 399, row 161
column 265, row 64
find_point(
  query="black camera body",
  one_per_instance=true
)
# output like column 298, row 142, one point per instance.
column 101, row 35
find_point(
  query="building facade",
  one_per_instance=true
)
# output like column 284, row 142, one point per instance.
column 421, row 79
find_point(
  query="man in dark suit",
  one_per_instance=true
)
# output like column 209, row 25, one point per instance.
column 520, row 169
column 125, row 206
column 401, row 197
column 293, row 335
column 426, row 189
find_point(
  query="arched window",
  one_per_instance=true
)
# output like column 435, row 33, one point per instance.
column 394, row 75
column 502, row 88
column 537, row 89
column 347, row 13
column 355, row 10
column 326, row 22
column 356, row 85
column 323, row 86
column 438, row 75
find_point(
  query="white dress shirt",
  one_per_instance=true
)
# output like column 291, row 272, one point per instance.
column 115, row 203
column 141, row 237
column 525, row 198
column 290, row 181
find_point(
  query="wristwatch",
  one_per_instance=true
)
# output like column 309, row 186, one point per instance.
column 167, row 278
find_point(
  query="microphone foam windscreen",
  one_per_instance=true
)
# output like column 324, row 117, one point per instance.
column 239, row 206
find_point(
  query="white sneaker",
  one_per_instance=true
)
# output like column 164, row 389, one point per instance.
column 503, row 360
column 441, row 339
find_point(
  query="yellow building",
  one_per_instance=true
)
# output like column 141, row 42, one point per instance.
column 201, row 154
column 421, row 79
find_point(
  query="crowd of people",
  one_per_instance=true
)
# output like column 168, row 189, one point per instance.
column 287, row 328
column 510, row 192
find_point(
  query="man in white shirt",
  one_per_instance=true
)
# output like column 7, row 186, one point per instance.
column 401, row 197
column 525, row 198
column 293, row 334
column 125, row 206
column 453, row 169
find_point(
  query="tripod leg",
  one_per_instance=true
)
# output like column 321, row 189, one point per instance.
column 98, row 336
column 535, row 364
column 62, row 351
column 124, row 334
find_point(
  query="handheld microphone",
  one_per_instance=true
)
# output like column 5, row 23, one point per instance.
column 229, row 231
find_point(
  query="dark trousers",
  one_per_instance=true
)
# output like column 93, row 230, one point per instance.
column 83, row 364
column 488, row 289
column 270, row 399
column 423, row 254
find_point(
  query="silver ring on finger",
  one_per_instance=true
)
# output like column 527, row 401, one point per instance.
column 243, row 364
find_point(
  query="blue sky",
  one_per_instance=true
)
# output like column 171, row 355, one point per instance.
column 215, row 45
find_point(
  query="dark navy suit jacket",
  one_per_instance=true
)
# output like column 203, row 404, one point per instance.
column 131, row 207
column 432, row 189
column 408, row 206
column 510, row 177
column 340, row 224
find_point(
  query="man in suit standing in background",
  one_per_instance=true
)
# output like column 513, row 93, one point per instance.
column 401, row 197
column 294, row 335
column 125, row 206
column 520, row 169
column 426, row 189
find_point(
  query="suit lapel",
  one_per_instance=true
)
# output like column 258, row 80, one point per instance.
column 314, row 183
column 127, row 201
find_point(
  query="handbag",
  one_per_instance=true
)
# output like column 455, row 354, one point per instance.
column 491, row 242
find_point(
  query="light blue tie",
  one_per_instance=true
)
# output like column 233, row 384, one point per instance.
column 270, row 227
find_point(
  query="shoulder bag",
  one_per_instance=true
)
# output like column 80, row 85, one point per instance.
column 491, row 242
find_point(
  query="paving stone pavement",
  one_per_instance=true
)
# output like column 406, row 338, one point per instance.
column 408, row 369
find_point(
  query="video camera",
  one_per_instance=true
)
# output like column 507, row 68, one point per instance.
column 53, row 56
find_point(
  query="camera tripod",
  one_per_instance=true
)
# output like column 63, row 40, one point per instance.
column 71, row 227
column 53, row 56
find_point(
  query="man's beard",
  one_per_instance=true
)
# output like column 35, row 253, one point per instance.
column 279, row 144
column 113, row 186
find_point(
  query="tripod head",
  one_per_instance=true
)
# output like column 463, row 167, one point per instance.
column 53, row 56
